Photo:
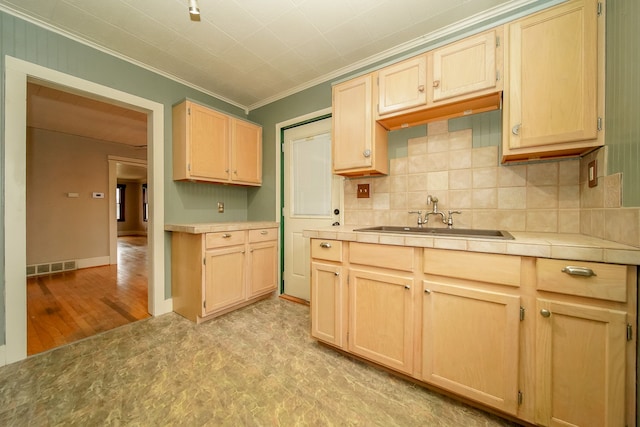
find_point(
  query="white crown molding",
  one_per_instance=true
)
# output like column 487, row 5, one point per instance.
column 507, row 11
column 49, row 27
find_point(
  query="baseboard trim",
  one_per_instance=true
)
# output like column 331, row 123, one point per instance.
column 93, row 262
column 132, row 233
column 3, row 355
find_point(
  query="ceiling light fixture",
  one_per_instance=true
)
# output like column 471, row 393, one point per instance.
column 193, row 7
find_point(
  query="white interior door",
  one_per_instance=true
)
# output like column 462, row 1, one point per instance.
column 312, row 198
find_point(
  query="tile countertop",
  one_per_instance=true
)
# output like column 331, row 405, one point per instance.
column 212, row 227
column 543, row 245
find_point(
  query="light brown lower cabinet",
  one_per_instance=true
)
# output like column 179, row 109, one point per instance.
column 381, row 318
column 470, row 343
column 546, row 341
column 214, row 273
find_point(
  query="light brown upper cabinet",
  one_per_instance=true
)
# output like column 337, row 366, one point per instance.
column 554, row 94
column 403, row 85
column 466, row 68
column 359, row 143
column 210, row 146
column 455, row 80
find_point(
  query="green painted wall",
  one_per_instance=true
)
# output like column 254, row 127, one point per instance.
column 184, row 202
column 622, row 121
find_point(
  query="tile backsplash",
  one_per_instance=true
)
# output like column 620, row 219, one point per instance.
column 538, row 197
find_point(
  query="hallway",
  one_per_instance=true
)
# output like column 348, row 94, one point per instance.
column 66, row 307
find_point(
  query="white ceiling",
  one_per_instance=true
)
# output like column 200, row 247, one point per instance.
column 252, row 52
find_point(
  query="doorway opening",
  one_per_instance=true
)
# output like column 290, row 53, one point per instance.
column 17, row 73
column 77, row 286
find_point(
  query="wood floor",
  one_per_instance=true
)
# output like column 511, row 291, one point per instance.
column 66, row 307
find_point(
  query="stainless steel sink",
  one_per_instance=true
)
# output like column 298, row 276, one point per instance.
column 429, row 231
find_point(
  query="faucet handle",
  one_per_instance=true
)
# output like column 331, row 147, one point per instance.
column 450, row 218
column 431, row 199
column 419, row 217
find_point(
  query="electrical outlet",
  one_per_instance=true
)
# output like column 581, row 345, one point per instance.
column 363, row 191
column 220, row 207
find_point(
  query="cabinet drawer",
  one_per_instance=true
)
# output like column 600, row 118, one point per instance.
column 490, row 268
column 263, row 235
column 608, row 281
column 385, row 256
column 224, row 238
column 330, row 250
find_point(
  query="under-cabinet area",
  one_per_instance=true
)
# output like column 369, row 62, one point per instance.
column 542, row 340
column 217, row 268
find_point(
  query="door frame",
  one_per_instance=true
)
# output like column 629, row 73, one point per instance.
column 17, row 73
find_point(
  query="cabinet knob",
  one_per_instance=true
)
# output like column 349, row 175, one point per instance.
column 407, row 287
column 545, row 313
column 436, row 83
column 236, row 172
column 337, row 273
column 264, row 232
column 427, row 291
column 325, row 245
column 366, row 153
column 226, row 235
column 516, row 129
column 421, row 88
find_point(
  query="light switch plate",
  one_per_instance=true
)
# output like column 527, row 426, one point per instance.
column 593, row 173
column 220, row 207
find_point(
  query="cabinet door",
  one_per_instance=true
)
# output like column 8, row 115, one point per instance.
column 381, row 318
column 263, row 260
column 470, row 343
column 464, row 67
column 553, row 77
column 208, row 144
column 224, row 278
column 359, row 143
column 402, row 86
column 246, row 153
column 327, row 305
column 580, row 378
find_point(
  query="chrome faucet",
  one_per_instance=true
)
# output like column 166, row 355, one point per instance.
column 434, row 200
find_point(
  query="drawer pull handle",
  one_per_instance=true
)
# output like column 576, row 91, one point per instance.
column 545, row 313
column 325, row 245
column 578, row 271
column 226, row 235
column 264, row 232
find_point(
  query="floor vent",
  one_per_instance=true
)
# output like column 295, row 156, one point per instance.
column 50, row 268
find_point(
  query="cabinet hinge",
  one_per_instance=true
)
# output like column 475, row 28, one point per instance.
column 347, row 337
column 204, row 261
column 497, row 75
column 521, row 313
column 629, row 332
column 204, row 304
column 599, row 123
column 189, row 111
column 519, row 397
column 497, row 41
column 189, row 167
column 347, row 279
column 282, row 147
column 599, row 8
